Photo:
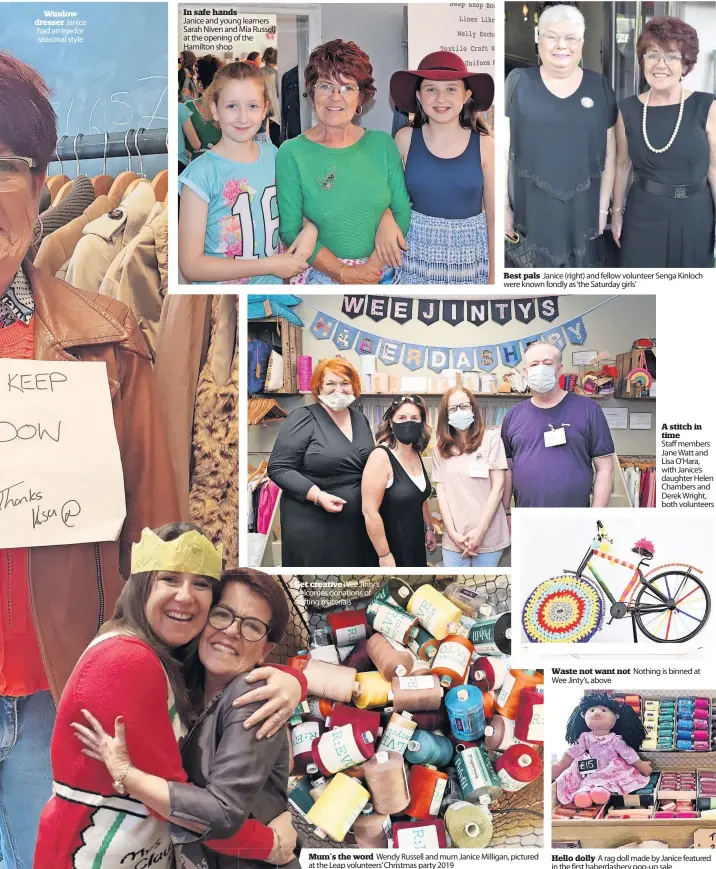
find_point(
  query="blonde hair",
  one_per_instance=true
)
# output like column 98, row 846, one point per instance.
column 236, row 71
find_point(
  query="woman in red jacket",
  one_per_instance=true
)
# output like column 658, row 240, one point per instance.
column 143, row 668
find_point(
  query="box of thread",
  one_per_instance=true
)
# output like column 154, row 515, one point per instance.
column 417, row 734
column 677, row 723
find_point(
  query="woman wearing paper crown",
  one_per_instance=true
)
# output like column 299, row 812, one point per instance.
column 145, row 677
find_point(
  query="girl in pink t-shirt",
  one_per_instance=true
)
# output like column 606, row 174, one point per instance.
column 468, row 470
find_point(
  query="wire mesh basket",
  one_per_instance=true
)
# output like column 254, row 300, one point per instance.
column 518, row 817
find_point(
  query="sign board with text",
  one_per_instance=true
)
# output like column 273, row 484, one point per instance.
column 61, row 475
column 466, row 29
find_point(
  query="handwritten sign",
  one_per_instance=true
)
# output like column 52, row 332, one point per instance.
column 60, row 467
column 704, row 838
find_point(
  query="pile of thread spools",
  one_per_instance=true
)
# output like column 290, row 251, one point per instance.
column 415, row 725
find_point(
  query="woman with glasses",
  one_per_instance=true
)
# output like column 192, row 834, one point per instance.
column 667, row 138
column 561, row 150
column 469, row 468
column 396, row 487
column 179, row 656
column 317, row 462
column 338, row 175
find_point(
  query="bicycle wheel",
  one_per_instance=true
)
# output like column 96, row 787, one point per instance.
column 566, row 609
column 679, row 621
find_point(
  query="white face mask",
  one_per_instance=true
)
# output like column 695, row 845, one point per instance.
column 337, row 400
column 541, row 378
column 461, row 419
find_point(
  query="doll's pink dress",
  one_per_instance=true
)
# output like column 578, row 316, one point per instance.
column 615, row 772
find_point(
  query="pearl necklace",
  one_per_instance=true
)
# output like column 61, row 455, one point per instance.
column 676, row 128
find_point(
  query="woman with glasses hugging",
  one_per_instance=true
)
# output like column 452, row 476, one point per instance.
column 469, row 467
column 396, row 486
column 667, row 136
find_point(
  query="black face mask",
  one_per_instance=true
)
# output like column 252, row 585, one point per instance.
column 407, row 432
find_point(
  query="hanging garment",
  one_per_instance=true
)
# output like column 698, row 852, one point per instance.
column 104, row 238
column 290, row 105
column 57, row 248
column 267, row 502
column 139, row 274
column 214, row 492
column 80, row 197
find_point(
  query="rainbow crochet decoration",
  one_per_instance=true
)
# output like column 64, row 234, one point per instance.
column 565, row 609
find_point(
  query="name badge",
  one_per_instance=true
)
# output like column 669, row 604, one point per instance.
column 584, row 767
column 479, row 468
column 554, row 437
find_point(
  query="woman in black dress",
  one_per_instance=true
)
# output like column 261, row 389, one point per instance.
column 317, row 462
column 668, row 137
column 562, row 149
column 396, row 487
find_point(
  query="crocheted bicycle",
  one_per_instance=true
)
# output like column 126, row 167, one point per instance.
column 669, row 604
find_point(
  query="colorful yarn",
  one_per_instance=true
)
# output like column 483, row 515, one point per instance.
column 562, row 610
column 340, row 748
column 386, row 780
column 517, row 767
column 489, row 673
column 529, row 723
column 429, row 748
column 452, row 660
column 469, row 826
column 373, row 690
column 416, row 693
column 508, row 699
column 302, row 737
column 434, row 612
column 392, row 622
column 466, row 712
column 478, row 780
column 388, row 660
column 305, row 369
column 427, row 786
column 348, row 626
column 398, row 732
column 340, row 804
column 366, row 719
column 423, row 645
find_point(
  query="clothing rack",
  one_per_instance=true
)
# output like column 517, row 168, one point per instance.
column 131, row 143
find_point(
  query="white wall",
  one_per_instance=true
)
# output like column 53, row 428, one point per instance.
column 702, row 16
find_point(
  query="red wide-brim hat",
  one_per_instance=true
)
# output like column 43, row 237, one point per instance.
column 440, row 66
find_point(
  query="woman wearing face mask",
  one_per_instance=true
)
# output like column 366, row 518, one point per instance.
column 317, row 462
column 396, row 487
column 469, row 466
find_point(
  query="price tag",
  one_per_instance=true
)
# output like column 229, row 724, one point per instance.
column 589, row 764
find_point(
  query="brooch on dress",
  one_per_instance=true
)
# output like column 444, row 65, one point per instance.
column 587, row 102
column 325, row 182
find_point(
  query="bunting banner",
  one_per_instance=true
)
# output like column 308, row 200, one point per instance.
column 392, row 351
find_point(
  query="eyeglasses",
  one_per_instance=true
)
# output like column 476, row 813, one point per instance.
column 669, row 59
column 251, row 629
column 345, row 90
column 454, row 407
column 553, row 39
column 15, row 173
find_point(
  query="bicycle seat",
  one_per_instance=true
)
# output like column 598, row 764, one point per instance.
column 645, row 548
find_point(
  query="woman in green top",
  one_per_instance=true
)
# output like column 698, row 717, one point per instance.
column 202, row 120
column 338, row 175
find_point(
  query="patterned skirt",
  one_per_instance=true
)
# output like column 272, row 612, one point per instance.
column 313, row 276
column 443, row 251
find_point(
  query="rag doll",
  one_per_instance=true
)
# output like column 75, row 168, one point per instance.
column 608, row 733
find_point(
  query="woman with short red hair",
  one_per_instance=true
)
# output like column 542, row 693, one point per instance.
column 317, row 462
column 340, row 176
column 667, row 138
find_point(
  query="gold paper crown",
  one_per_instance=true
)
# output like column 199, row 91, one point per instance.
column 189, row 553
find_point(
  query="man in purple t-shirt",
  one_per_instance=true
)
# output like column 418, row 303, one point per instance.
column 552, row 440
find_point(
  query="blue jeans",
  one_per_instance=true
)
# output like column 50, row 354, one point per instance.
column 25, row 773
column 484, row 559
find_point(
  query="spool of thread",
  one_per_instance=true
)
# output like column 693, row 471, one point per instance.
column 394, row 592
column 529, row 724
column 419, row 835
column 304, row 364
column 372, row 830
column 492, row 636
column 299, row 796
column 462, row 744
column 303, row 710
column 684, row 744
column 704, row 804
column 386, row 780
column 320, row 708
column 478, row 780
column 420, row 668
column 392, row 622
column 452, row 661
column 464, row 626
column 334, row 681
column 341, row 747
column 701, row 702
column 471, row 602
column 348, row 626
column 453, row 794
column 430, row 719
column 423, row 645
column 318, row 785
column 426, row 787
column 500, row 733
column 516, row 681
column 700, row 715
column 489, row 673
column 359, row 658
column 466, row 712
column 364, row 718
column 429, row 748
column 398, row 732
column 373, row 690
column 434, row 612
column 302, row 737
column 415, row 693
column 388, row 660
column 685, row 724
column 338, row 807
column 469, row 826
column 355, row 772
column 488, row 703
column 701, row 746
column 701, row 735
column 517, row 767
column 322, row 648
